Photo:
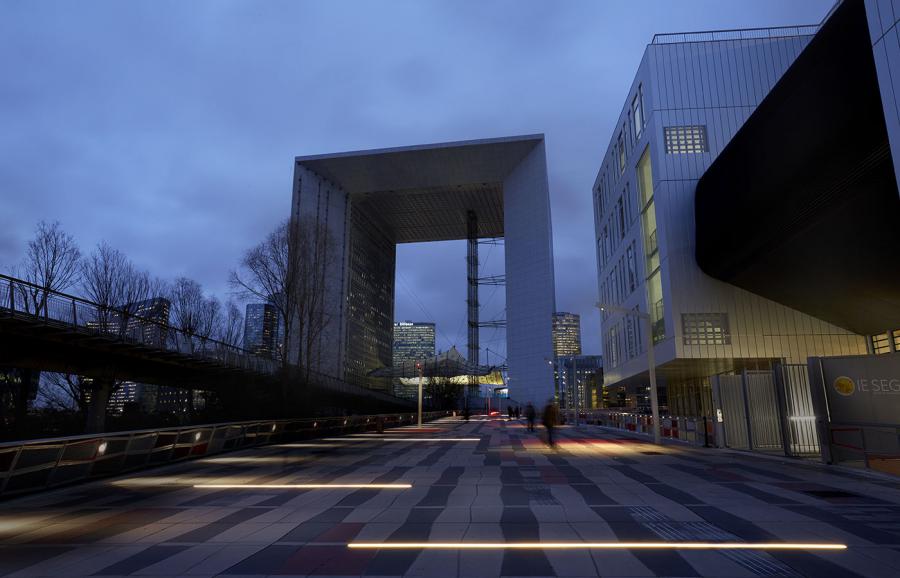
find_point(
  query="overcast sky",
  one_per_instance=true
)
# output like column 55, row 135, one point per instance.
column 168, row 129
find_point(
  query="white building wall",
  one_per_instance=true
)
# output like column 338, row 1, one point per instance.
column 717, row 84
column 530, row 290
column 883, row 16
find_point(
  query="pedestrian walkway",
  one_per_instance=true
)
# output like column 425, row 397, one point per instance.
column 484, row 482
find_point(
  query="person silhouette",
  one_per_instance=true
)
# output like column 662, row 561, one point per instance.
column 529, row 416
column 550, row 419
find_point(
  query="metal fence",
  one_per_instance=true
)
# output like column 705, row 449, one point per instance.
column 33, row 465
column 767, row 411
column 693, row 430
column 872, row 446
column 23, row 300
column 29, row 301
column 737, row 34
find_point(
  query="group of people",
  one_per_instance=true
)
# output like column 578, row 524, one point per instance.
column 549, row 419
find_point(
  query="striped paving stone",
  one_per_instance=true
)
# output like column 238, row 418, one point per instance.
column 597, row 485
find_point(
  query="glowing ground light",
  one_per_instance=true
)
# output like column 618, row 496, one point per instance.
column 393, row 439
column 308, row 486
column 593, row 546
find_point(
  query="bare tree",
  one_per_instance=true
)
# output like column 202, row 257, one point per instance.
column 63, row 391
column 51, row 263
column 210, row 319
column 186, row 298
column 287, row 270
column 231, row 328
column 110, row 280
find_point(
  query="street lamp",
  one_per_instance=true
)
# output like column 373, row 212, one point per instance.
column 557, row 382
column 421, row 369
column 654, row 399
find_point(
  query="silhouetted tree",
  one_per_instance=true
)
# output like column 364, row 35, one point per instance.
column 51, row 263
column 110, row 280
column 231, row 327
column 287, row 269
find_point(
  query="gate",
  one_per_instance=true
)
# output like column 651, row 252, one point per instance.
column 767, row 411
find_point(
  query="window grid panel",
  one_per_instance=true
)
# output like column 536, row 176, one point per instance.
column 686, row 139
column 705, row 329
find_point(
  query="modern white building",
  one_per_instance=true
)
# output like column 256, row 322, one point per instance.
column 370, row 201
column 691, row 94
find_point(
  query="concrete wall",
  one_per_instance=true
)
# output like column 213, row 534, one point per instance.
column 882, row 16
column 530, row 290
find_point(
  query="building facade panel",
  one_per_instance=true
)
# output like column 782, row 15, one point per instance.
column 882, row 17
column 697, row 94
column 530, row 290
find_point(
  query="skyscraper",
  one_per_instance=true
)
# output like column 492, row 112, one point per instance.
column 261, row 328
column 566, row 334
column 413, row 341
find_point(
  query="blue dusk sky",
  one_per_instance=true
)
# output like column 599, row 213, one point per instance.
column 168, row 128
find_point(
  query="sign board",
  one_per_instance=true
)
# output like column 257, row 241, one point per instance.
column 859, row 389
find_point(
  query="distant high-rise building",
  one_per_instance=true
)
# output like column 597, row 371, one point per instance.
column 566, row 334
column 141, row 395
column 413, row 342
column 143, row 321
column 580, row 377
column 149, row 321
column 261, row 328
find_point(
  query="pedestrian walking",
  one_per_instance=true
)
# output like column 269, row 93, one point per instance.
column 529, row 415
column 550, row 419
column 509, row 411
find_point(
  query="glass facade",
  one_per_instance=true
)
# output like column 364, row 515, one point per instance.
column 261, row 329
column 566, row 334
column 370, row 302
column 412, row 342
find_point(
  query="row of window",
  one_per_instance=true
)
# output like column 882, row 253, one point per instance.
column 886, row 342
column 622, row 280
column 617, row 225
column 623, row 341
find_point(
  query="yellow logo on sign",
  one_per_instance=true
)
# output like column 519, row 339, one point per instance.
column 844, row 385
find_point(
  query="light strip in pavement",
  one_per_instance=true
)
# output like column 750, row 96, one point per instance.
column 310, row 486
column 393, row 439
column 594, row 546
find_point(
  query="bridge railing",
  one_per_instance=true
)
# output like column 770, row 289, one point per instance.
column 23, row 299
column 34, row 465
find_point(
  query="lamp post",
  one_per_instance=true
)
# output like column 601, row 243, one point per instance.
column 557, row 381
column 651, row 364
column 421, row 371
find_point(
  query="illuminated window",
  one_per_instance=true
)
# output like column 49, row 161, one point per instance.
column 705, row 329
column 896, row 333
column 881, row 344
column 686, row 139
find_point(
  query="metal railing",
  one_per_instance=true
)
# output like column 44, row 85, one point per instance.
column 26, row 300
column 34, row 465
column 695, row 431
column 736, row 34
column 874, row 446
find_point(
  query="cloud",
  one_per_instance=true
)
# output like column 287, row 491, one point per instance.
column 168, row 128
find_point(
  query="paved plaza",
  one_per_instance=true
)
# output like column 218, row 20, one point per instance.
column 498, row 484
